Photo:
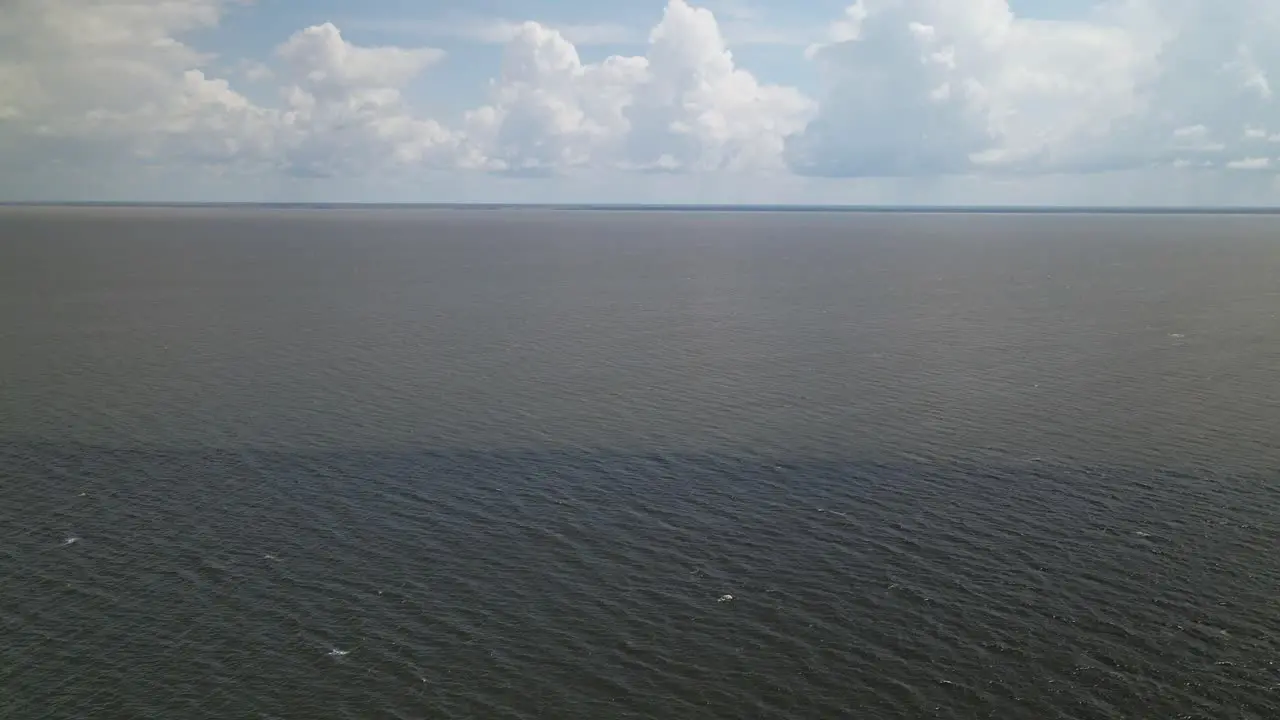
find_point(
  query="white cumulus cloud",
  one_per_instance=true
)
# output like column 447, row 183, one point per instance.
column 344, row 110
column 326, row 63
column 698, row 110
column 683, row 105
column 549, row 110
column 921, row 87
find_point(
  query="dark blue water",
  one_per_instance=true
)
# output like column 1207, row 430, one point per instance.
column 421, row 464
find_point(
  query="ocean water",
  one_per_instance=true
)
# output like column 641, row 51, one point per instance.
column 343, row 463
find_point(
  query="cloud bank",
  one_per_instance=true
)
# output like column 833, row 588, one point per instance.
column 910, row 89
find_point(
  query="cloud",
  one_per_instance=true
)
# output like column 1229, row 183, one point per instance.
column 684, row 105
column 923, row 87
column 323, row 60
column 702, row 111
column 903, row 97
column 1253, row 163
column 911, row 89
column 1213, row 70
column 920, row 87
column 111, row 83
column 549, row 111
column 344, row 109
column 60, row 59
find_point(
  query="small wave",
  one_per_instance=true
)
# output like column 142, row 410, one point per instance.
column 335, row 652
column 71, row 540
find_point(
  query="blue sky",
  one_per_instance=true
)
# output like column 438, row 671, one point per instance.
column 1152, row 102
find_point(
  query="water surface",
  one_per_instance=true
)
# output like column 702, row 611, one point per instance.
column 502, row 464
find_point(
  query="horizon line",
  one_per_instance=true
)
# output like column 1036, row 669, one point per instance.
column 668, row 207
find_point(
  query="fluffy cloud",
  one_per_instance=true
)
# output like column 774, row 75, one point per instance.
column 319, row 57
column 698, row 111
column 684, row 105
column 911, row 88
column 929, row 86
column 344, row 112
column 919, row 87
column 108, row 88
column 550, row 111
column 69, row 67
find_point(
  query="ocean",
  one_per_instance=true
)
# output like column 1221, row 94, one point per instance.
column 549, row 463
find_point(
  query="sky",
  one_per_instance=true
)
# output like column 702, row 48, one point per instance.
column 898, row 102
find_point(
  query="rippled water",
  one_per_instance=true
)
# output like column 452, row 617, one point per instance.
column 504, row 464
